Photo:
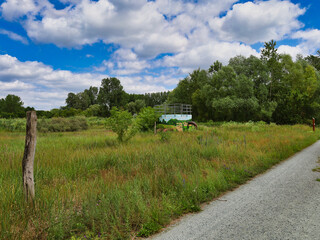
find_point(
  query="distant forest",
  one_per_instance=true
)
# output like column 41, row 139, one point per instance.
column 272, row 88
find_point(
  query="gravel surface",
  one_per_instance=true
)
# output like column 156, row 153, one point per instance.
column 283, row 203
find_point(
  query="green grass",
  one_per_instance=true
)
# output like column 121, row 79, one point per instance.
column 89, row 184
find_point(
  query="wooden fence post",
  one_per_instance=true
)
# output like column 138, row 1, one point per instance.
column 28, row 156
column 314, row 124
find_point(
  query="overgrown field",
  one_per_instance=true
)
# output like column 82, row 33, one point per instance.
column 88, row 186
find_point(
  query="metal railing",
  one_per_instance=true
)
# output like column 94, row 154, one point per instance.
column 176, row 108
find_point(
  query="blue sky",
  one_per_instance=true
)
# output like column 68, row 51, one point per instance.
column 49, row 48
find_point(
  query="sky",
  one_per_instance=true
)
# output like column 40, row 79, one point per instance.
column 49, row 48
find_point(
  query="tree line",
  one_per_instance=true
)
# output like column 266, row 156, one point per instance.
column 93, row 101
column 271, row 88
column 99, row 101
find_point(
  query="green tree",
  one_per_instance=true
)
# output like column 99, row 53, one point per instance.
column 299, row 85
column 136, row 106
column 121, row 123
column 158, row 98
column 187, row 87
column 92, row 93
column 246, row 103
column 223, row 108
column 182, row 93
column 239, row 64
column 199, row 105
column 217, row 94
column 84, row 100
column 215, row 67
column 93, row 110
column 270, row 56
column 258, row 74
column 314, row 60
column 72, row 100
column 12, row 106
column 111, row 94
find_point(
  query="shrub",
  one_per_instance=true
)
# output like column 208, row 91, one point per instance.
column 62, row 124
column 13, row 125
column 121, row 123
column 96, row 122
column 146, row 119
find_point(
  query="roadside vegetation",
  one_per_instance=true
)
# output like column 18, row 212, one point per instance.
column 91, row 186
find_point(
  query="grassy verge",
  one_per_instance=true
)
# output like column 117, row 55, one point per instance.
column 89, row 186
column 317, row 170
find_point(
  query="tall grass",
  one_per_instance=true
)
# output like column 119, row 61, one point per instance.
column 90, row 186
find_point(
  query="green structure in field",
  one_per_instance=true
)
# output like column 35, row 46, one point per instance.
column 179, row 111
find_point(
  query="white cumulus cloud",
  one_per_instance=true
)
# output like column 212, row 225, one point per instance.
column 310, row 40
column 135, row 25
column 41, row 86
column 203, row 55
column 258, row 21
column 292, row 50
column 123, row 62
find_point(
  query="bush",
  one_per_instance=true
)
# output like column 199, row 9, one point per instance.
column 146, row 119
column 96, row 122
column 13, row 125
column 62, row 124
column 121, row 123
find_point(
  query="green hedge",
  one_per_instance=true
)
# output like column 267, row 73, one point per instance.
column 62, row 124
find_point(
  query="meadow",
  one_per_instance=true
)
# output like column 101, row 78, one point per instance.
column 89, row 186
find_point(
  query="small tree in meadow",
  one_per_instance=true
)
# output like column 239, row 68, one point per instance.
column 146, row 118
column 121, row 123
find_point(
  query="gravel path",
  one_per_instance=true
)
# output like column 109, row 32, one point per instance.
column 283, row 203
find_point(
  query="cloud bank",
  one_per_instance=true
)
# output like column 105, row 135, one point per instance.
column 41, row 86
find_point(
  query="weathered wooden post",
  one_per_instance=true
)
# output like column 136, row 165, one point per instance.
column 314, row 124
column 28, row 156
